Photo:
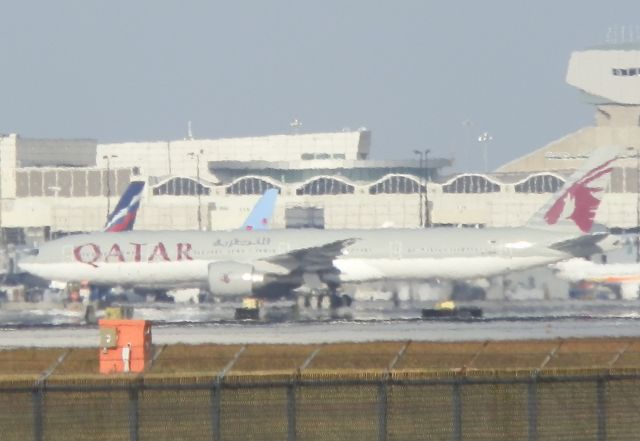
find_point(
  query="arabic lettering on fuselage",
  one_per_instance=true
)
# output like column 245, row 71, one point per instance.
column 92, row 253
column 228, row 243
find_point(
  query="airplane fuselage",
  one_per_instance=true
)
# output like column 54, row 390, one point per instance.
column 576, row 270
column 171, row 259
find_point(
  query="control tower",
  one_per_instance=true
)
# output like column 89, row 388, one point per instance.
column 608, row 78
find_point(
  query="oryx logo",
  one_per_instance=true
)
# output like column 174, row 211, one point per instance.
column 581, row 201
column 263, row 223
column 225, row 278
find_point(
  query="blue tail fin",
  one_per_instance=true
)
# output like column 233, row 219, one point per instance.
column 260, row 216
column 124, row 215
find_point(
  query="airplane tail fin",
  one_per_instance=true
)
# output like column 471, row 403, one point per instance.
column 123, row 216
column 260, row 216
column 574, row 206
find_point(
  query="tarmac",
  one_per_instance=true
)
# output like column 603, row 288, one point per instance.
column 334, row 332
column 47, row 325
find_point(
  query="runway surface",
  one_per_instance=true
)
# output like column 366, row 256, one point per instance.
column 329, row 332
column 367, row 321
column 26, row 314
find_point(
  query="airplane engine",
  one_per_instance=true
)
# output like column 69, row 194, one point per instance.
column 233, row 279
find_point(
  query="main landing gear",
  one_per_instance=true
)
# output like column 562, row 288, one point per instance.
column 339, row 300
column 326, row 299
column 331, row 299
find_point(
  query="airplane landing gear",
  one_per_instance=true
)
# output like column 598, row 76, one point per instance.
column 329, row 298
column 339, row 300
column 395, row 298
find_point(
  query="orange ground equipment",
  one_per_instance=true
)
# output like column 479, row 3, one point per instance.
column 125, row 346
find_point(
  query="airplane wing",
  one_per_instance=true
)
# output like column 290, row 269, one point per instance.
column 312, row 259
column 581, row 246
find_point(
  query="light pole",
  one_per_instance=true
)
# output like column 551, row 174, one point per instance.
column 427, row 214
column 634, row 152
column 1, row 174
column 485, row 138
column 637, row 204
column 197, row 158
column 464, row 162
column 108, row 158
column 55, row 189
column 421, row 158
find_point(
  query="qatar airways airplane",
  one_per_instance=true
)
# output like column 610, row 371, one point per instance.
column 624, row 275
column 271, row 263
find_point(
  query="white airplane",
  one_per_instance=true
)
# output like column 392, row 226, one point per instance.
column 271, row 263
column 626, row 275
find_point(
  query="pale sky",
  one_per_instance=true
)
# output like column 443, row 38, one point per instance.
column 411, row 71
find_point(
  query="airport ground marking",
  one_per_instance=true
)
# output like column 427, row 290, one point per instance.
column 46, row 374
column 223, row 373
column 477, row 354
column 398, row 356
column 619, row 354
column 550, row 356
column 157, row 354
column 309, row 359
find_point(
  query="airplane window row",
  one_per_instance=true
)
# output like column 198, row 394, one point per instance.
column 360, row 250
column 445, row 250
column 631, row 72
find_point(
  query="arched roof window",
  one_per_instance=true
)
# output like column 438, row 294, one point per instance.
column 396, row 184
column 543, row 183
column 471, row 184
column 181, row 187
column 321, row 186
column 250, row 185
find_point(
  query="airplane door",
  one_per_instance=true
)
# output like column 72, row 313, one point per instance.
column 395, row 250
column 494, row 249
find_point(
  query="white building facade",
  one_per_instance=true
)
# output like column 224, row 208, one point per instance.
column 60, row 186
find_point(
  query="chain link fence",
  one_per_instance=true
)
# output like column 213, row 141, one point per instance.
column 402, row 405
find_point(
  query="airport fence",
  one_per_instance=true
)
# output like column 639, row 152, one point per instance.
column 491, row 405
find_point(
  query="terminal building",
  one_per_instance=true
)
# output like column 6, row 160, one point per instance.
column 326, row 180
